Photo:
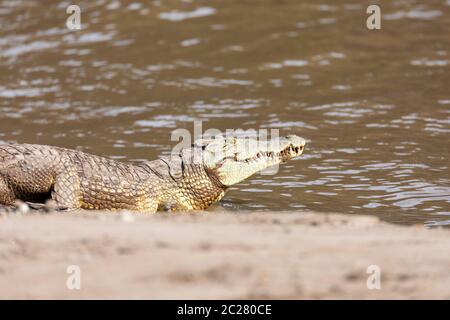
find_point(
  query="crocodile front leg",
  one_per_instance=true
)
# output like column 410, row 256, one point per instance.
column 7, row 197
column 66, row 190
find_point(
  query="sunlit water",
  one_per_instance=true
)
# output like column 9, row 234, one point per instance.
column 373, row 105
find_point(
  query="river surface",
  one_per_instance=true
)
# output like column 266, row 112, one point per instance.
column 374, row 105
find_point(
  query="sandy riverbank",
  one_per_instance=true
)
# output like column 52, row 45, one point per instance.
column 220, row 255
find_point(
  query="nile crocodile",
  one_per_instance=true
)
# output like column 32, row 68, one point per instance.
column 191, row 179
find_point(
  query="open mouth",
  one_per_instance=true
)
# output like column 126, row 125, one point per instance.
column 290, row 152
column 286, row 154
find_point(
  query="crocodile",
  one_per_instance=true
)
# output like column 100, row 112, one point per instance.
column 193, row 178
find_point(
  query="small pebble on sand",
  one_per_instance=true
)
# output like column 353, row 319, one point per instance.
column 126, row 217
column 21, row 207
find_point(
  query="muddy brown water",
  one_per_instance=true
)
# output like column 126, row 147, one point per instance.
column 374, row 105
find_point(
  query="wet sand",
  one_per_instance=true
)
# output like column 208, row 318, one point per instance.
column 222, row 255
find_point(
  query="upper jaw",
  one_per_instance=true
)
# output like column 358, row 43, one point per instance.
column 289, row 147
column 290, row 153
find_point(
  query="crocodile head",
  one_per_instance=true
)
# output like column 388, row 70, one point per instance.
column 230, row 160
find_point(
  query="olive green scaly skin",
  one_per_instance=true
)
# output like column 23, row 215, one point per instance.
column 75, row 179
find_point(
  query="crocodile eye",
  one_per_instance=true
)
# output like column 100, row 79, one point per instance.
column 203, row 148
